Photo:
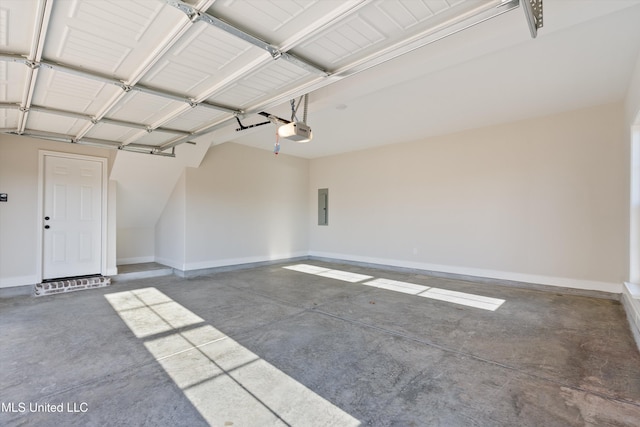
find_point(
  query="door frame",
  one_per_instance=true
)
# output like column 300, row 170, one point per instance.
column 103, row 221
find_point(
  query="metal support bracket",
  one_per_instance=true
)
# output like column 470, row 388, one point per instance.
column 533, row 13
column 276, row 54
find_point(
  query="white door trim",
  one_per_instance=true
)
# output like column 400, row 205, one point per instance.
column 41, row 178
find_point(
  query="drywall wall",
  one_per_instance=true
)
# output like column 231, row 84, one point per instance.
column 634, row 207
column 632, row 99
column 632, row 126
column 112, row 233
column 18, row 217
column 245, row 205
column 136, row 244
column 170, row 229
column 540, row 200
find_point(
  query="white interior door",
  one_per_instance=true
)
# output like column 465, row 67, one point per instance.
column 72, row 208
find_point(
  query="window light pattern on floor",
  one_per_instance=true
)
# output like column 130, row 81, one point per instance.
column 471, row 300
column 224, row 381
column 345, row 276
column 394, row 285
column 463, row 298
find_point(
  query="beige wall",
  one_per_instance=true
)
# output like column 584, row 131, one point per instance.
column 18, row 217
column 170, row 228
column 136, row 244
column 632, row 100
column 541, row 200
column 245, row 205
column 241, row 205
column 632, row 125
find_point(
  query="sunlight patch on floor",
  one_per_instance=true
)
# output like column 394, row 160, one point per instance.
column 345, row 276
column 463, row 298
column 306, row 268
column 225, row 382
column 148, row 312
column 455, row 297
column 395, row 285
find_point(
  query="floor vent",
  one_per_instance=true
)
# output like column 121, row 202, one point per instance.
column 70, row 285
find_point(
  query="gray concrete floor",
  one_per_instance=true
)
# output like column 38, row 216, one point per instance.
column 271, row 346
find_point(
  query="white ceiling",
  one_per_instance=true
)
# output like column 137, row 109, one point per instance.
column 140, row 75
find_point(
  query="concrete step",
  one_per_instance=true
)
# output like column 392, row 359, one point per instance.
column 141, row 271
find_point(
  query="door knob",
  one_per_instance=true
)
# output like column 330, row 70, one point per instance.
column 47, row 227
column 46, row 218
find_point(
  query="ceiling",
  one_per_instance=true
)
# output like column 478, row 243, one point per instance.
column 149, row 75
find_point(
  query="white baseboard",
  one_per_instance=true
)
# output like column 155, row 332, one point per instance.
column 9, row 282
column 590, row 285
column 237, row 261
column 170, row 263
column 136, row 260
column 631, row 303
